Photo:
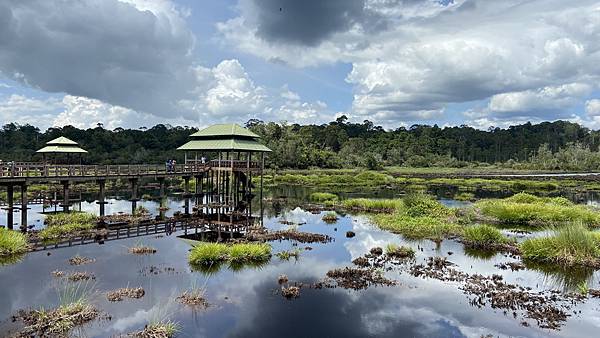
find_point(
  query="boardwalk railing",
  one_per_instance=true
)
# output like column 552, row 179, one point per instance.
column 65, row 171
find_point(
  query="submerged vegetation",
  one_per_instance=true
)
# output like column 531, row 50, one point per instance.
column 528, row 209
column 208, row 254
column 12, row 243
column 569, row 245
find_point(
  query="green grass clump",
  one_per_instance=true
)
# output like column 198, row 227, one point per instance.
column 570, row 245
column 484, row 236
column 64, row 224
column 286, row 255
column 528, row 209
column 373, row 205
column 208, row 254
column 416, row 228
column 12, row 242
column 249, row 252
column 424, row 205
column 321, row 197
column 393, row 250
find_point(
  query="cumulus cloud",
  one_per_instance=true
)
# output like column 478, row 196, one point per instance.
column 135, row 54
column 592, row 107
column 28, row 110
column 431, row 54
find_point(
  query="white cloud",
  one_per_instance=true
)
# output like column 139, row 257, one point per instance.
column 26, row 110
column 592, row 107
column 431, row 56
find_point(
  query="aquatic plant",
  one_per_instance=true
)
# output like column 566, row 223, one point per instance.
column 330, row 217
column 416, row 228
column 12, row 242
column 424, row 205
column 242, row 253
column 141, row 210
column 573, row 244
column 373, row 205
column 393, row 250
column 528, row 209
column 118, row 294
column 484, row 236
column 158, row 329
column 320, row 197
column 286, row 255
column 67, row 224
column 193, row 297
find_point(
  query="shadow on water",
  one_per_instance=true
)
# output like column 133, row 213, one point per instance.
column 567, row 279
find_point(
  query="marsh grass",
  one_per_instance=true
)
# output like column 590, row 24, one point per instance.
column 570, row 245
column 373, row 205
column 417, row 228
column 321, row 197
column 287, row 255
column 213, row 254
column 12, row 243
column 484, row 236
column 67, row 224
column 524, row 208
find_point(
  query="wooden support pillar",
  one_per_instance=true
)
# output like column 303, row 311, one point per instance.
column 262, row 167
column 65, row 204
column 9, row 210
column 134, row 193
column 24, row 207
column 161, row 182
column 101, row 196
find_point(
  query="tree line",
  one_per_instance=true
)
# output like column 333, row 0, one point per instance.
column 337, row 144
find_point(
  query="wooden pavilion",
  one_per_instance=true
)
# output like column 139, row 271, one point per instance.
column 61, row 146
column 233, row 155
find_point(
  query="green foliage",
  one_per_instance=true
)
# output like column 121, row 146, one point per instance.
column 572, row 244
column 65, row 224
column 373, row 205
column 416, row 228
column 208, row 254
column 320, row 197
column 12, row 242
column 330, row 217
column 528, row 209
column 286, row 255
column 483, row 235
column 424, row 205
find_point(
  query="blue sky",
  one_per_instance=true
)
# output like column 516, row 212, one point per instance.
column 133, row 63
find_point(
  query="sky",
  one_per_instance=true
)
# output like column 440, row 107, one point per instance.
column 137, row 63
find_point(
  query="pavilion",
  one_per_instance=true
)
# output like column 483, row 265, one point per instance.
column 61, row 145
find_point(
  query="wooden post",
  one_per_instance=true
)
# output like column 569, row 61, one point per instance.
column 101, row 202
column 134, row 197
column 262, row 167
column 24, row 207
column 65, row 196
column 9, row 210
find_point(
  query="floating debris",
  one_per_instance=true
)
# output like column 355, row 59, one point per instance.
column 290, row 292
column 357, row 279
column 119, row 294
column 156, row 270
column 282, row 279
column 142, row 250
column 350, row 234
column 79, row 260
column 377, row 251
column 290, row 234
column 79, row 276
column 513, row 266
column 194, row 297
column 58, row 273
column 362, row 262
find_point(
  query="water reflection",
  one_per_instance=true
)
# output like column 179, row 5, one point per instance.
column 245, row 300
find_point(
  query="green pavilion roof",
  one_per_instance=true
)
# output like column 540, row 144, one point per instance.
column 61, row 145
column 224, row 130
column 230, row 144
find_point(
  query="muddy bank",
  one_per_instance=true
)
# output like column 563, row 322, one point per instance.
column 298, row 236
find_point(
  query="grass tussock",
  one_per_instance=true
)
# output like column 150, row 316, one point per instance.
column 119, row 294
column 330, row 217
column 570, row 245
column 63, row 225
column 158, row 329
column 12, row 242
column 141, row 249
column 528, row 209
column 373, row 205
column 206, row 254
column 484, row 236
column 193, row 297
column 287, row 255
column 321, row 197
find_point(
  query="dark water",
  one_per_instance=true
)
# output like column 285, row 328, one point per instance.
column 246, row 303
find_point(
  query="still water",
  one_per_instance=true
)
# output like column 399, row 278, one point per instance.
column 246, row 303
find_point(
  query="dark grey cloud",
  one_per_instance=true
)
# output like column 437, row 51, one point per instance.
column 102, row 49
column 307, row 22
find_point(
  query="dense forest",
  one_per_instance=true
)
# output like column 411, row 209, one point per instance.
column 339, row 144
